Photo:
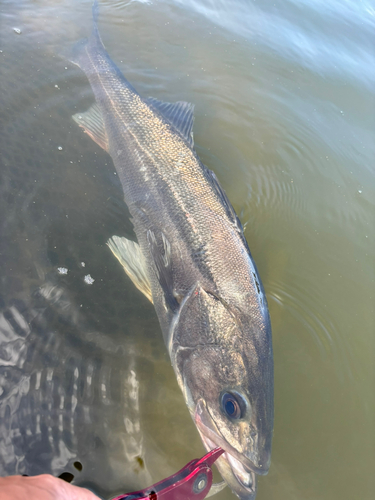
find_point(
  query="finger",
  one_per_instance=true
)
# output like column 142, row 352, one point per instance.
column 43, row 487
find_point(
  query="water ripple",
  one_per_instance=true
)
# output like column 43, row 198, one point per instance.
column 290, row 29
column 317, row 328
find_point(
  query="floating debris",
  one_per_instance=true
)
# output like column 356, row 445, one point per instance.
column 62, row 270
column 17, row 30
column 83, row 264
column 88, row 279
column 59, row 148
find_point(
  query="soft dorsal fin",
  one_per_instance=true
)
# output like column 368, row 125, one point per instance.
column 180, row 114
column 211, row 177
column 92, row 123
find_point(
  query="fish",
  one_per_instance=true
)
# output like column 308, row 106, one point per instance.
column 192, row 261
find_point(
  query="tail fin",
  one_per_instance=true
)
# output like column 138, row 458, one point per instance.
column 95, row 15
column 95, row 11
column 77, row 50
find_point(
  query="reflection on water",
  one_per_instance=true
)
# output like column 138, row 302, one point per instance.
column 284, row 116
column 61, row 397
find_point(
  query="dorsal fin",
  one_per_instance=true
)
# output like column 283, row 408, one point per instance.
column 226, row 203
column 180, row 114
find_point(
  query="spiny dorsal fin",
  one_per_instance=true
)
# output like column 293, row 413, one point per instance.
column 180, row 114
column 131, row 258
column 92, row 123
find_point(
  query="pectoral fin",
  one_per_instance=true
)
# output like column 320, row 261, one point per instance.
column 161, row 254
column 130, row 257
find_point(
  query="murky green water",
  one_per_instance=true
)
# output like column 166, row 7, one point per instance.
column 284, row 95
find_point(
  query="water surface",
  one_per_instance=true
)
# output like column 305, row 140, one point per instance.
column 284, row 100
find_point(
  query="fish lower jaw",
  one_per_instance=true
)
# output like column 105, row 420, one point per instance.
column 245, row 478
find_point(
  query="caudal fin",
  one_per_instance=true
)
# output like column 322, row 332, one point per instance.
column 78, row 49
column 95, row 12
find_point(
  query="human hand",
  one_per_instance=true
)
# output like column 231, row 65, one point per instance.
column 43, row 487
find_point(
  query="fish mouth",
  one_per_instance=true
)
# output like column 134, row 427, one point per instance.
column 241, row 467
column 246, row 479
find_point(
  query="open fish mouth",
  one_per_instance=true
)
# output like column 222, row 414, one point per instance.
column 241, row 467
column 245, row 478
column 205, row 426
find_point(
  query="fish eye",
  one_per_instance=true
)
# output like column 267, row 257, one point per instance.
column 233, row 405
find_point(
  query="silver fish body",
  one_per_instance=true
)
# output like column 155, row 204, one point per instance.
column 193, row 262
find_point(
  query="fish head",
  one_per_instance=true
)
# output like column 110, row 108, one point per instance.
column 226, row 374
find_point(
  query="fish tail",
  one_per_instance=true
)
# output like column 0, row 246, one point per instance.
column 95, row 36
column 79, row 48
column 95, row 15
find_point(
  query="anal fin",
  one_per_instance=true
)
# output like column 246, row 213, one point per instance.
column 130, row 257
column 93, row 124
